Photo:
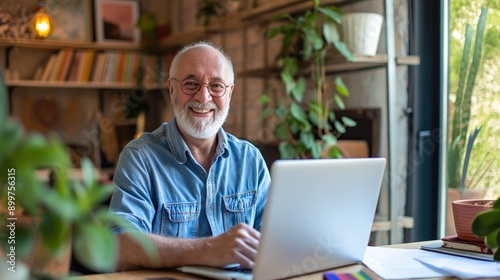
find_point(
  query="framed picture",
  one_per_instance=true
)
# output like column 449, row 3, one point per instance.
column 115, row 21
column 72, row 19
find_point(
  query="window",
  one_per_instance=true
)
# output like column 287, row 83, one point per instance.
column 483, row 175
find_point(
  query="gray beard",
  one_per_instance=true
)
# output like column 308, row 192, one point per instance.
column 201, row 128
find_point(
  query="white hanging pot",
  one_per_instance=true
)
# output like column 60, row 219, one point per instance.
column 361, row 32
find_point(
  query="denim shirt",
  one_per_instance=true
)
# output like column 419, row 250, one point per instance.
column 161, row 189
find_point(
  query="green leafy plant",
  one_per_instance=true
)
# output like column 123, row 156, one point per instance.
column 487, row 224
column 460, row 148
column 67, row 212
column 306, row 116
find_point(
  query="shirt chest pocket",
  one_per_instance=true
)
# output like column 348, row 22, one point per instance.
column 180, row 219
column 239, row 208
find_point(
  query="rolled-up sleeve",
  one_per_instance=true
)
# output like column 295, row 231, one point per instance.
column 132, row 195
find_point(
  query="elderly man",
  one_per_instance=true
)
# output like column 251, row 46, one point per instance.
column 195, row 190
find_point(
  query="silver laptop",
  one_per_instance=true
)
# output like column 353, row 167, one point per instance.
column 318, row 216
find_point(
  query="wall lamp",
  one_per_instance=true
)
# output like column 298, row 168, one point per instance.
column 41, row 24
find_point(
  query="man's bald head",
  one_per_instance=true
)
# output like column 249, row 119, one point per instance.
column 203, row 44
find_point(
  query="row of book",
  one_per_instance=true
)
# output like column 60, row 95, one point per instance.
column 101, row 67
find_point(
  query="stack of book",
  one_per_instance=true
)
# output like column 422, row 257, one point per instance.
column 68, row 65
column 453, row 242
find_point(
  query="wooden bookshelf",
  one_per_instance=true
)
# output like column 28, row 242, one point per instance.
column 79, row 85
column 89, row 68
column 59, row 44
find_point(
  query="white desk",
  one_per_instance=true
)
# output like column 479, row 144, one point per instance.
column 165, row 274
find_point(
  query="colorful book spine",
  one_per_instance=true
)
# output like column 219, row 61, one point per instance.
column 72, row 76
column 96, row 74
column 49, row 67
column 87, row 67
column 126, row 67
column 120, row 67
column 111, row 67
column 57, row 66
column 65, row 65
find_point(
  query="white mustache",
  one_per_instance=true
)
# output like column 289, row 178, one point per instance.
column 199, row 106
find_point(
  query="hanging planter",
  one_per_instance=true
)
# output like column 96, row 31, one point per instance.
column 361, row 32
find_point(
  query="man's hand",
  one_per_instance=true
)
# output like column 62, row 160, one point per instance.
column 238, row 245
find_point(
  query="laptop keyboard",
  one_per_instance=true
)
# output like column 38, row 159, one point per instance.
column 239, row 269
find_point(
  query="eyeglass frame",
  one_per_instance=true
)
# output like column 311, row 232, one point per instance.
column 206, row 84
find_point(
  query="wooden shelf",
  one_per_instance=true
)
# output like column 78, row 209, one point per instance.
column 274, row 8
column 76, row 85
column 408, row 60
column 53, row 44
column 339, row 66
column 238, row 20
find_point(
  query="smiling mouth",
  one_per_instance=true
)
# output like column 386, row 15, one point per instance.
column 201, row 111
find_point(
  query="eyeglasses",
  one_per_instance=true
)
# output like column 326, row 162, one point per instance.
column 191, row 87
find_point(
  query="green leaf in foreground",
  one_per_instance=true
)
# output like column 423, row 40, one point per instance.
column 95, row 247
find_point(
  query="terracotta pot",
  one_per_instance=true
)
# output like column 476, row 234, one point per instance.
column 455, row 194
column 464, row 212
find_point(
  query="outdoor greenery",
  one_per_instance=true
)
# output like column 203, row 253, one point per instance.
column 461, row 146
column 307, row 124
column 485, row 104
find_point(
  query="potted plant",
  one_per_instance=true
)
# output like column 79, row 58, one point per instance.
column 487, row 225
column 49, row 221
column 460, row 185
column 307, row 125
